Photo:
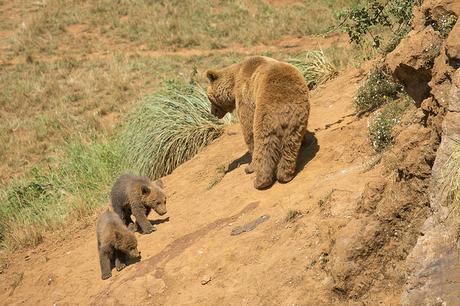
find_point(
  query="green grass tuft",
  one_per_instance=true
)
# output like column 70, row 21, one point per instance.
column 292, row 214
column 315, row 67
column 378, row 89
column 45, row 199
column 168, row 129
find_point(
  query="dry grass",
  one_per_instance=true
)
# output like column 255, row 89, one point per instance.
column 315, row 67
column 72, row 74
column 158, row 25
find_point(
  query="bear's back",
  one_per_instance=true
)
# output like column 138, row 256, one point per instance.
column 127, row 187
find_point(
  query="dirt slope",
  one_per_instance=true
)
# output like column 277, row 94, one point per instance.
column 277, row 263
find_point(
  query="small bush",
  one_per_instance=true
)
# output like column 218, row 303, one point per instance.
column 380, row 130
column 378, row 88
column 168, row 129
column 368, row 20
column 315, row 67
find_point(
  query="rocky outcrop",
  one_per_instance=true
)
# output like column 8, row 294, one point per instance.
column 433, row 79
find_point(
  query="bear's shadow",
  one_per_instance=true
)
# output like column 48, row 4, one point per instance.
column 307, row 152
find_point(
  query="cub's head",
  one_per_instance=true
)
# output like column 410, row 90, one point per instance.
column 220, row 90
column 126, row 242
column 154, row 197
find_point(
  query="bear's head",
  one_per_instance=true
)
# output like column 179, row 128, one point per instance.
column 126, row 242
column 220, row 90
column 154, row 197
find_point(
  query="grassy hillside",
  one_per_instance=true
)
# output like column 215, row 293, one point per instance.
column 72, row 71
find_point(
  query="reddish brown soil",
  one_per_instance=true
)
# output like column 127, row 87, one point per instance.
column 278, row 263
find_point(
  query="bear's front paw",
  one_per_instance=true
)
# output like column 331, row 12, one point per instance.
column 249, row 169
column 148, row 230
column 120, row 266
column 106, row 275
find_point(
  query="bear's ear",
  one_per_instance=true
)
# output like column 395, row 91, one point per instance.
column 145, row 189
column 212, row 75
column 159, row 183
column 118, row 237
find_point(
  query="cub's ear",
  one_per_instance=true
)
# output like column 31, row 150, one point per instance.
column 212, row 75
column 159, row 183
column 118, row 237
column 145, row 189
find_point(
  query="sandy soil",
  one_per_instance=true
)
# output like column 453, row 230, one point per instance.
column 192, row 258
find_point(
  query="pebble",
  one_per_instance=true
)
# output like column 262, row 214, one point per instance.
column 206, row 279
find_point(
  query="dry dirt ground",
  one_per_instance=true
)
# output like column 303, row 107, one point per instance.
column 192, row 258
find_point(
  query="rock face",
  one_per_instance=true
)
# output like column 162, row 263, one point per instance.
column 427, row 62
column 412, row 61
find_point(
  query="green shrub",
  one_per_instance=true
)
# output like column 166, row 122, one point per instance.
column 168, row 129
column 368, row 20
column 378, row 88
column 380, row 130
column 315, row 67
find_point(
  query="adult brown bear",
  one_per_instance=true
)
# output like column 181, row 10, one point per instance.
column 271, row 101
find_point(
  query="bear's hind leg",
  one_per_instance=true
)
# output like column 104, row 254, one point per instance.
column 266, row 152
column 285, row 171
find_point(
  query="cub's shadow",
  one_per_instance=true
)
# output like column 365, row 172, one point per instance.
column 153, row 222
column 126, row 259
column 307, row 152
column 159, row 221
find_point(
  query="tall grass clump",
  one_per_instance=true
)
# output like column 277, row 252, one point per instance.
column 46, row 198
column 168, row 129
column 378, row 89
column 315, row 67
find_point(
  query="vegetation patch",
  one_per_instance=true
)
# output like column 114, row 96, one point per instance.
column 292, row 214
column 380, row 130
column 315, row 67
column 378, row 89
column 219, row 175
column 168, row 129
column 378, row 23
column 45, row 199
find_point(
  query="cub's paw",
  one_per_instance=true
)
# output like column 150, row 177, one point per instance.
column 149, row 230
column 106, row 275
column 249, row 169
column 133, row 227
column 120, row 266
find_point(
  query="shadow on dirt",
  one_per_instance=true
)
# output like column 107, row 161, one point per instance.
column 159, row 221
column 307, row 152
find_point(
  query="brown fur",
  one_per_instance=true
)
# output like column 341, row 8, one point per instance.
column 114, row 242
column 136, row 195
column 271, row 101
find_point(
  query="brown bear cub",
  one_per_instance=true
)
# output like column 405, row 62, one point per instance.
column 271, row 102
column 116, row 244
column 137, row 195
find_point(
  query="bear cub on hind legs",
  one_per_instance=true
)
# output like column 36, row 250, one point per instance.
column 137, row 196
column 115, row 243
